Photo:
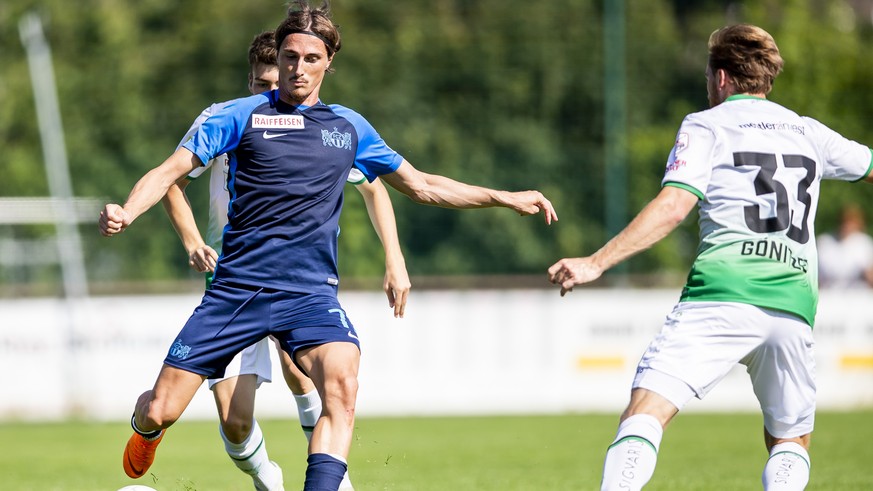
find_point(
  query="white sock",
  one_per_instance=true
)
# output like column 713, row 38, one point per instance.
column 630, row 460
column 346, row 484
column 251, row 457
column 787, row 468
column 309, row 410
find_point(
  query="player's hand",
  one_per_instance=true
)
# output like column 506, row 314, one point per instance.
column 396, row 285
column 203, row 259
column 570, row 272
column 113, row 220
column 530, row 203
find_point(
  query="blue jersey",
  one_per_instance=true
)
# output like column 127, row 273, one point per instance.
column 286, row 172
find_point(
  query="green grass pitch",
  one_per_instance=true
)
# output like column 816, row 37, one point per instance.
column 512, row 453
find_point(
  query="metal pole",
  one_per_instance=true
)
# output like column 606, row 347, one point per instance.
column 63, row 206
column 615, row 119
column 54, row 151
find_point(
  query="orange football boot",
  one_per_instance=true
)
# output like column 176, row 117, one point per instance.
column 139, row 454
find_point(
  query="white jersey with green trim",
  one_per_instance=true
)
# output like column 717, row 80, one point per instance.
column 219, row 197
column 757, row 168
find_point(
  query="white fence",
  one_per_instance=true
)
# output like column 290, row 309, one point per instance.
column 456, row 352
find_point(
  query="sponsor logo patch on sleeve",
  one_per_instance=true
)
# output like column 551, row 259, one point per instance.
column 681, row 142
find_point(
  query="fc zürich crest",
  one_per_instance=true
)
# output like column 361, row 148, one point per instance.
column 336, row 139
column 180, row 350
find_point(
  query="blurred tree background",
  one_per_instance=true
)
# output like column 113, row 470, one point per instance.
column 502, row 93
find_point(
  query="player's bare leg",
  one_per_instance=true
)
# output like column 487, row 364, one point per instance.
column 235, row 401
column 156, row 410
column 788, row 465
column 631, row 459
column 243, row 439
column 160, row 407
column 333, row 368
column 307, row 400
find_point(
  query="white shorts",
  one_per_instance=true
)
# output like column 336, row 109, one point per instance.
column 701, row 341
column 254, row 360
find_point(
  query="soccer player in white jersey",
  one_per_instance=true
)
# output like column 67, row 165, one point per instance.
column 235, row 392
column 754, row 170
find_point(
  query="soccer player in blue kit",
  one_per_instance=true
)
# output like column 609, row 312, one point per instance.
column 235, row 392
column 290, row 154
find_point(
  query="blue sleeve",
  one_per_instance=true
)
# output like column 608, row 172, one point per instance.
column 221, row 132
column 374, row 157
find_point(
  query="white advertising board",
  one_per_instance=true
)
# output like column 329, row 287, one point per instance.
column 455, row 352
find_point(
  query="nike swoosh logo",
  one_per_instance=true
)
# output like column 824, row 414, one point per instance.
column 267, row 135
column 138, row 472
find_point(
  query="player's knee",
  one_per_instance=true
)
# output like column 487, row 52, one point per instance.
column 156, row 416
column 157, row 413
column 236, row 429
column 341, row 390
column 771, row 441
column 348, row 387
column 298, row 383
column 644, row 401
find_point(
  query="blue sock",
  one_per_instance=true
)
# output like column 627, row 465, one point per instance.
column 324, row 473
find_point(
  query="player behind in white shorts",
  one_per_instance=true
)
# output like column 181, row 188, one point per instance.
column 753, row 168
column 235, row 392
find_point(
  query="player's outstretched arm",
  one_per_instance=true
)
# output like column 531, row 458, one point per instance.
column 660, row 217
column 201, row 257
column 396, row 284
column 431, row 189
column 147, row 191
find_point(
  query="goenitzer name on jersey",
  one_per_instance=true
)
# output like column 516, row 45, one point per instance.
column 757, row 168
column 769, row 272
column 774, row 251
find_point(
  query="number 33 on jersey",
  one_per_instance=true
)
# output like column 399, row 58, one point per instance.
column 757, row 168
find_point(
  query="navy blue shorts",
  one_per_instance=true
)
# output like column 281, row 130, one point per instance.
column 232, row 317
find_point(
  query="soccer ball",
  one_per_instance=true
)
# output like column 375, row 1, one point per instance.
column 137, row 487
